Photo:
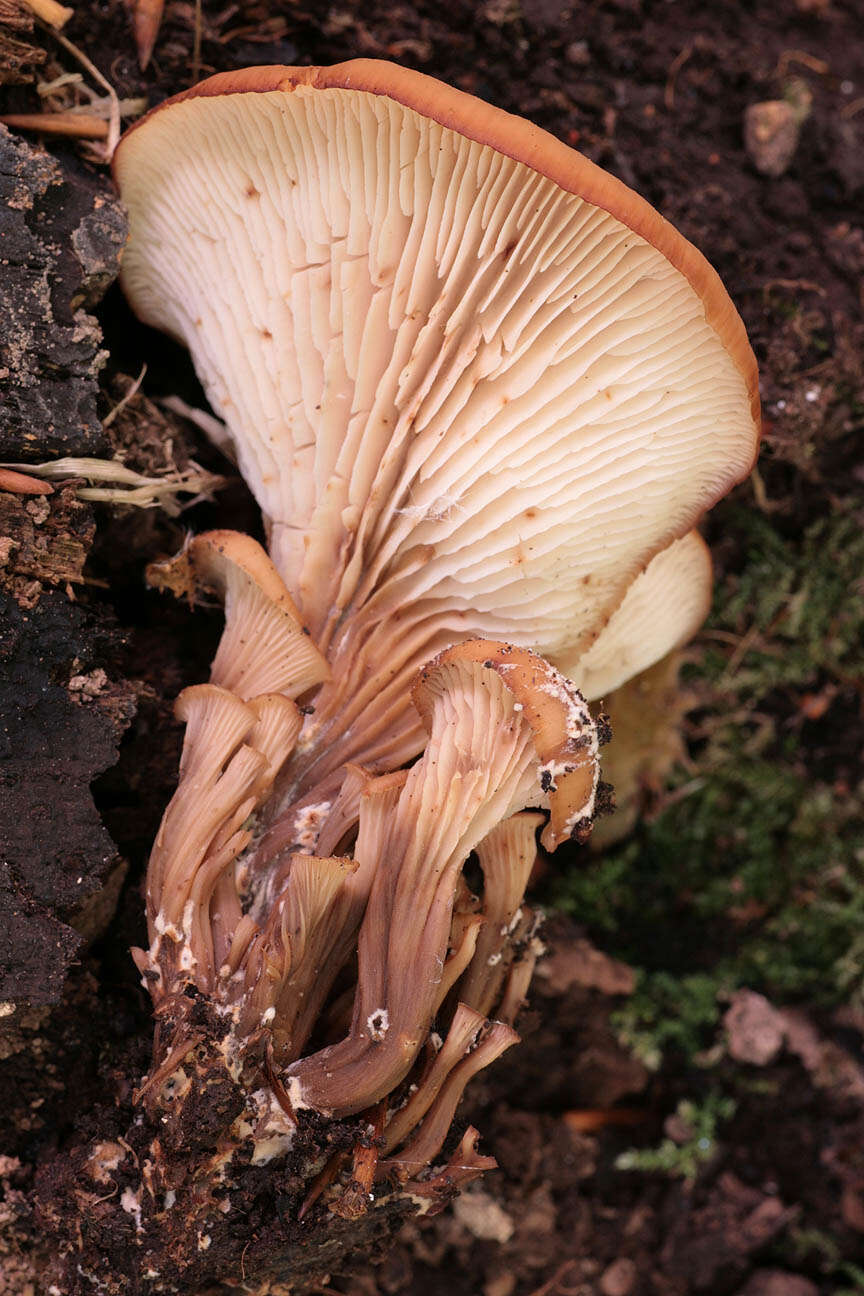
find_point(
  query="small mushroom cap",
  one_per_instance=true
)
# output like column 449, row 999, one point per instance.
column 216, row 721
column 275, row 732
column 264, row 648
column 465, row 1028
column 429, row 1139
column 198, row 837
column 462, row 367
column 212, row 552
column 565, row 738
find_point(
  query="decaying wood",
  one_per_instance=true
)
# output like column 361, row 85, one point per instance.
column 62, row 234
column 62, row 715
column 19, row 57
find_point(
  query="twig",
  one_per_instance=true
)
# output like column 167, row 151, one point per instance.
column 74, row 125
column 45, row 88
column 585, row 1119
column 852, row 109
column 125, row 485
column 679, row 794
column 674, row 68
column 807, row 285
column 114, row 114
column 759, row 492
column 322, row 1180
column 806, row 60
column 753, row 636
column 549, row 1288
column 196, row 43
column 354, row 1201
column 747, row 641
column 146, row 18
column 212, row 427
column 21, row 484
column 124, row 400
column 280, row 1093
column 721, row 636
column 169, row 1065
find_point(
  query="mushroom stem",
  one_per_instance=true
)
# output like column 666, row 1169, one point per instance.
column 292, row 965
column 492, row 714
column 231, row 754
column 429, row 1139
column 506, row 857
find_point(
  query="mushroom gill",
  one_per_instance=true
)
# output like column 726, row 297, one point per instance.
column 475, row 384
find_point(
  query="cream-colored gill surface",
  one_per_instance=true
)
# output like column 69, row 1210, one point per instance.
column 662, row 609
column 445, row 376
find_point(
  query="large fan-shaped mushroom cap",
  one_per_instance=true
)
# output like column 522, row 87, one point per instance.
column 464, row 370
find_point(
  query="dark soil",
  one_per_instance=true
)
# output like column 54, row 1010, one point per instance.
column 746, row 1160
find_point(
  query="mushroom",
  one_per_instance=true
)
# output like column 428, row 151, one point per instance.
column 419, row 1151
column 482, row 393
column 293, row 961
column 646, row 717
column 475, row 383
column 231, row 754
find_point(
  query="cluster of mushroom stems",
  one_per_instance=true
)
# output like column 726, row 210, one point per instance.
column 378, row 871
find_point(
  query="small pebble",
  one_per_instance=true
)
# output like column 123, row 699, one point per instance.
column 771, row 131
column 577, row 53
column 619, row 1279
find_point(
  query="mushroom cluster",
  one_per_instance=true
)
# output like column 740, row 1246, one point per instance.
column 482, row 393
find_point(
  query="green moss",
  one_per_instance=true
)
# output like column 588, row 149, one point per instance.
column 799, row 602
column 669, row 1013
column 855, row 1274
column 683, row 1158
column 753, row 874
column 814, row 1247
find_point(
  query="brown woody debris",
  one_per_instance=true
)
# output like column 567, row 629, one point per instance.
column 18, row 57
column 580, row 964
column 44, row 539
